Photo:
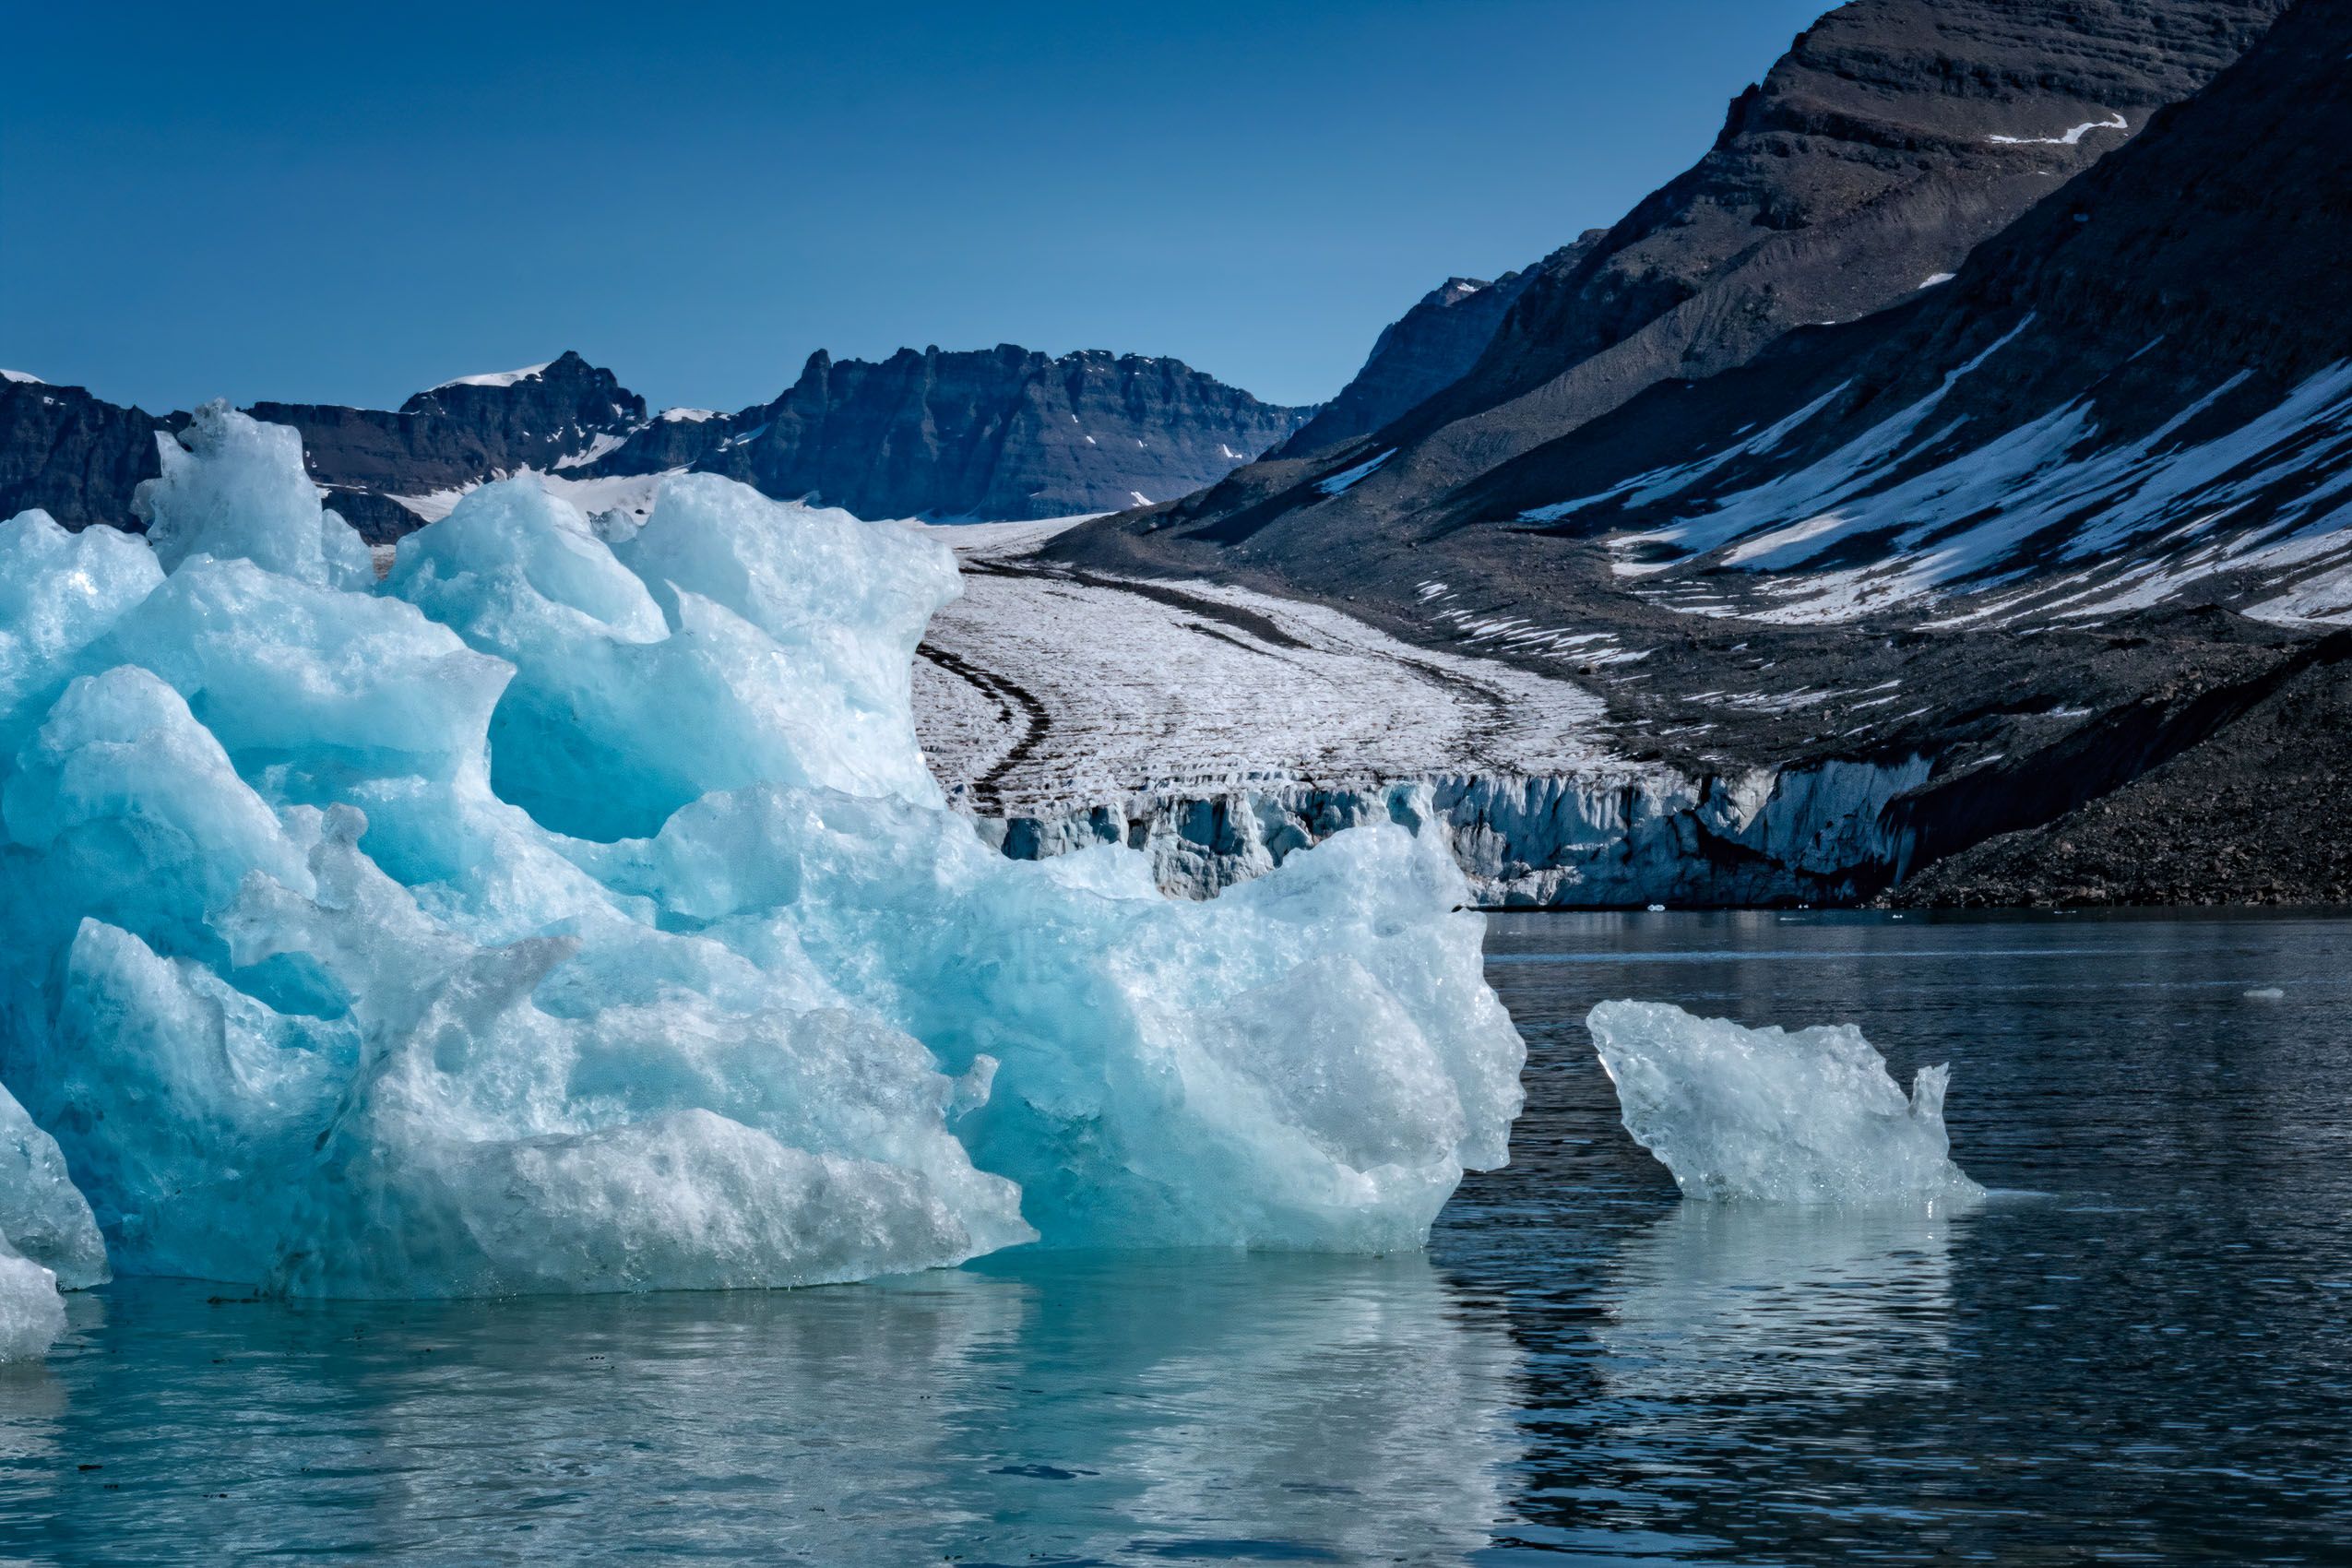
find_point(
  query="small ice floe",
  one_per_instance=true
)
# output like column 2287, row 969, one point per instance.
column 1771, row 1116
column 2266, row 994
column 32, row 1313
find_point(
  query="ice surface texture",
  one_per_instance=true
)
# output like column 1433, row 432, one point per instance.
column 572, row 915
column 1810, row 1117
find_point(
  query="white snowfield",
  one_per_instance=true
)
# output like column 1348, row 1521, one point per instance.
column 1039, row 688
column 1340, row 483
column 498, row 377
column 630, row 494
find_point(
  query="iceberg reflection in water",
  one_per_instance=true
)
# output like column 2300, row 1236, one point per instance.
column 1074, row 1406
column 1733, row 1302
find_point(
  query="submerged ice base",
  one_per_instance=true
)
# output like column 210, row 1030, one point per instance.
column 1767, row 1115
column 573, row 910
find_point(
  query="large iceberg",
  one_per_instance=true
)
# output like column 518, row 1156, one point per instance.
column 573, row 910
column 1809, row 1117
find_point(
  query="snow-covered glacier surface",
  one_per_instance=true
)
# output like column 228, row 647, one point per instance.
column 1768, row 1115
column 572, row 911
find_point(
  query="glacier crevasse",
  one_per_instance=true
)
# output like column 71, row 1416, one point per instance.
column 566, row 914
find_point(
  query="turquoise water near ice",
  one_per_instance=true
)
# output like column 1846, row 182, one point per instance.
column 2148, row 1358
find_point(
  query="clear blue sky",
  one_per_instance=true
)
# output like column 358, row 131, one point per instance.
column 346, row 203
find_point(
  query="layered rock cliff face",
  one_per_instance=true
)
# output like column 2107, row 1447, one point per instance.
column 999, row 434
column 76, row 456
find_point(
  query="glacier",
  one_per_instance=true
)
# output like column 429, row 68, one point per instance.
column 572, row 911
column 1809, row 1117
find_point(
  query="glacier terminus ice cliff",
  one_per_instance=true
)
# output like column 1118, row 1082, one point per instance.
column 572, row 911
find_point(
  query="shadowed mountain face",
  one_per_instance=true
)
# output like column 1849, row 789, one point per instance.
column 2138, row 394
column 1421, row 354
column 1004, row 432
column 998, row 433
column 76, row 457
column 546, row 417
column 1892, row 138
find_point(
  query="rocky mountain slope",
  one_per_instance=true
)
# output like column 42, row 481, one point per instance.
column 1419, row 354
column 2112, row 406
column 1893, row 137
column 2060, row 522
column 1004, row 432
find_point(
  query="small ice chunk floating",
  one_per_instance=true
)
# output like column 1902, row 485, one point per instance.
column 48, row 1237
column 572, row 911
column 1766, row 1115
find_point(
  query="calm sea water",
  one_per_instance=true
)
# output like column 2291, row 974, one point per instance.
column 2144, row 1357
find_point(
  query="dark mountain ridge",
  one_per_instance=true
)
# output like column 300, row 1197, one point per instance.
column 1419, row 355
column 1003, row 433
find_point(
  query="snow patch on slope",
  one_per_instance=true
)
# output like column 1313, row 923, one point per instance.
column 605, row 441
column 1339, row 483
column 2071, row 137
column 499, row 377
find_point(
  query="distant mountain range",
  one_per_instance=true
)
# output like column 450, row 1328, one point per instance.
column 998, row 433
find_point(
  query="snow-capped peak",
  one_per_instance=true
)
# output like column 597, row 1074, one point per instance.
column 500, row 377
column 21, row 375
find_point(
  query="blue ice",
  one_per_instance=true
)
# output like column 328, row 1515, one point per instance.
column 565, row 915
